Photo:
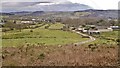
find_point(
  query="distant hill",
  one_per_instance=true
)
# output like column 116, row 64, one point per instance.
column 102, row 13
column 20, row 13
column 111, row 14
column 66, row 7
column 25, row 13
column 37, row 13
column 6, row 14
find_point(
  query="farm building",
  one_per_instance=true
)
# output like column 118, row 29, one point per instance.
column 115, row 27
column 80, row 29
column 27, row 22
column 84, row 31
column 93, row 32
column 95, row 29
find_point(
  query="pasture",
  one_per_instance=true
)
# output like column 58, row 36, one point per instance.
column 109, row 38
column 40, row 36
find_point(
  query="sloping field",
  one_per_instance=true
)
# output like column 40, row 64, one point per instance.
column 56, row 26
column 40, row 36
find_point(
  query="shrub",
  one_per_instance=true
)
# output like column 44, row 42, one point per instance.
column 31, row 30
column 13, row 54
column 90, row 45
column 41, row 56
column 117, row 40
column 46, row 27
column 93, row 46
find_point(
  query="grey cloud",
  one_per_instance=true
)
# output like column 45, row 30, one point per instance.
column 60, row 5
column 13, row 5
column 57, row 7
column 29, row 3
column 20, row 4
column 16, row 6
column 34, row 0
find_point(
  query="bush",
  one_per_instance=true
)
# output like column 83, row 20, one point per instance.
column 41, row 56
column 117, row 40
column 11, row 28
column 90, row 45
column 31, row 30
column 46, row 27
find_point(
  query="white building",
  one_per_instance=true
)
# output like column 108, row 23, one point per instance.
column 114, row 27
column 27, row 22
column 93, row 32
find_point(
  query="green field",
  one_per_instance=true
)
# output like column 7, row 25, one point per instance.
column 40, row 36
column 56, row 26
column 108, row 38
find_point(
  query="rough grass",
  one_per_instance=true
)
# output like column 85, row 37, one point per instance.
column 67, row 55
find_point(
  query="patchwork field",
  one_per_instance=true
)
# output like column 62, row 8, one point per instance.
column 40, row 35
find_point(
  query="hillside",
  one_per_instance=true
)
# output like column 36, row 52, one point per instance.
column 102, row 13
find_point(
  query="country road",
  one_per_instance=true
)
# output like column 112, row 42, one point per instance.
column 87, row 41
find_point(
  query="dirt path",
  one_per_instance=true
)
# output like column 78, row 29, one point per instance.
column 87, row 41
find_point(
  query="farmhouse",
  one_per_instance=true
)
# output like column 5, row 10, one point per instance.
column 84, row 31
column 27, row 22
column 92, row 29
column 115, row 27
column 80, row 29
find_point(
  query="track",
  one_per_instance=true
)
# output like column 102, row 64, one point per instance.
column 87, row 41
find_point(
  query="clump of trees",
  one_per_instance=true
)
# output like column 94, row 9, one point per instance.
column 11, row 25
column 80, row 21
column 89, row 21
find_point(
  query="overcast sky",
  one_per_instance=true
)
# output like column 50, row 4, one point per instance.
column 99, row 4
column 96, row 4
